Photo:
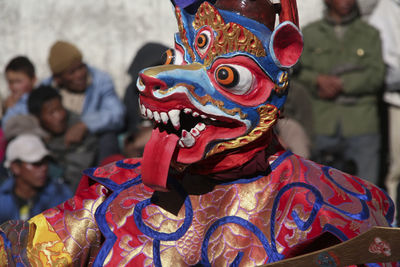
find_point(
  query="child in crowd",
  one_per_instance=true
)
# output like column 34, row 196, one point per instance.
column 21, row 79
column 45, row 103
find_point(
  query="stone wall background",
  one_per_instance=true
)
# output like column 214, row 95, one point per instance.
column 109, row 32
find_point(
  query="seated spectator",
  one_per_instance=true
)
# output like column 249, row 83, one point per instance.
column 3, row 171
column 138, row 130
column 23, row 124
column 149, row 55
column 45, row 103
column 29, row 190
column 88, row 92
column 21, row 79
column 16, row 125
column 134, row 143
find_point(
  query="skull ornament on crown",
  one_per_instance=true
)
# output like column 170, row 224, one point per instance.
column 220, row 92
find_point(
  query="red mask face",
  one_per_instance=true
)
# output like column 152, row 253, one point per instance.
column 220, row 94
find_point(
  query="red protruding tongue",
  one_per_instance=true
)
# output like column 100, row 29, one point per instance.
column 157, row 159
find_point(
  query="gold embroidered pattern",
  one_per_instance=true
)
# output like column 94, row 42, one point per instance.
column 3, row 253
column 228, row 239
column 355, row 226
column 126, row 205
column 283, row 83
column 297, row 235
column 230, row 37
column 283, row 213
column 225, row 242
column 45, row 247
column 131, row 252
column 78, row 228
column 268, row 116
column 339, row 191
column 324, row 220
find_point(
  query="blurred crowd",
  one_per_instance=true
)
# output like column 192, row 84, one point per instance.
column 343, row 109
column 52, row 130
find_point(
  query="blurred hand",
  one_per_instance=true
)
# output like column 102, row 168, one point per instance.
column 12, row 99
column 329, row 87
column 75, row 134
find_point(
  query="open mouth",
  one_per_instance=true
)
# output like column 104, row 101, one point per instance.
column 182, row 134
column 188, row 123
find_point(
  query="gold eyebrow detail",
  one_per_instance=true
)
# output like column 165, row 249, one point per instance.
column 231, row 37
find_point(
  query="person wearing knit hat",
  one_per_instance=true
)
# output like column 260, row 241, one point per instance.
column 88, row 92
column 62, row 56
column 69, row 71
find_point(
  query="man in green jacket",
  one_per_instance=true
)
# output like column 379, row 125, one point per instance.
column 342, row 67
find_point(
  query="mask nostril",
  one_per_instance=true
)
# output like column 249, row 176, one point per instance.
column 141, row 81
column 151, row 83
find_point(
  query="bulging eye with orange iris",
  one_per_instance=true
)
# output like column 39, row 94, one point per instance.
column 227, row 76
column 202, row 41
column 168, row 57
column 236, row 79
column 172, row 56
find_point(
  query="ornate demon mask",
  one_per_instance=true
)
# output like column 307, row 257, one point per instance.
column 222, row 87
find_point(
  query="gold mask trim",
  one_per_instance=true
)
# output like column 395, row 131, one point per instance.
column 268, row 116
column 182, row 33
column 282, row 84
column 220, row 104
column 154, row 71
column 231, row 37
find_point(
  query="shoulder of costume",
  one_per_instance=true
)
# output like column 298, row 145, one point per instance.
column 335, row 189
column 115, row 176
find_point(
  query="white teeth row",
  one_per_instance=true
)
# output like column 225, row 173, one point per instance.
column 196, row 114
column 172, row 115
column 188, row 139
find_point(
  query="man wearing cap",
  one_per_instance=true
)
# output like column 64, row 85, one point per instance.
column 89, row 92
column 28, row 191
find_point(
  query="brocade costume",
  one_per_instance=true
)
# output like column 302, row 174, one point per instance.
column 214, row 186
column 112, row 222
